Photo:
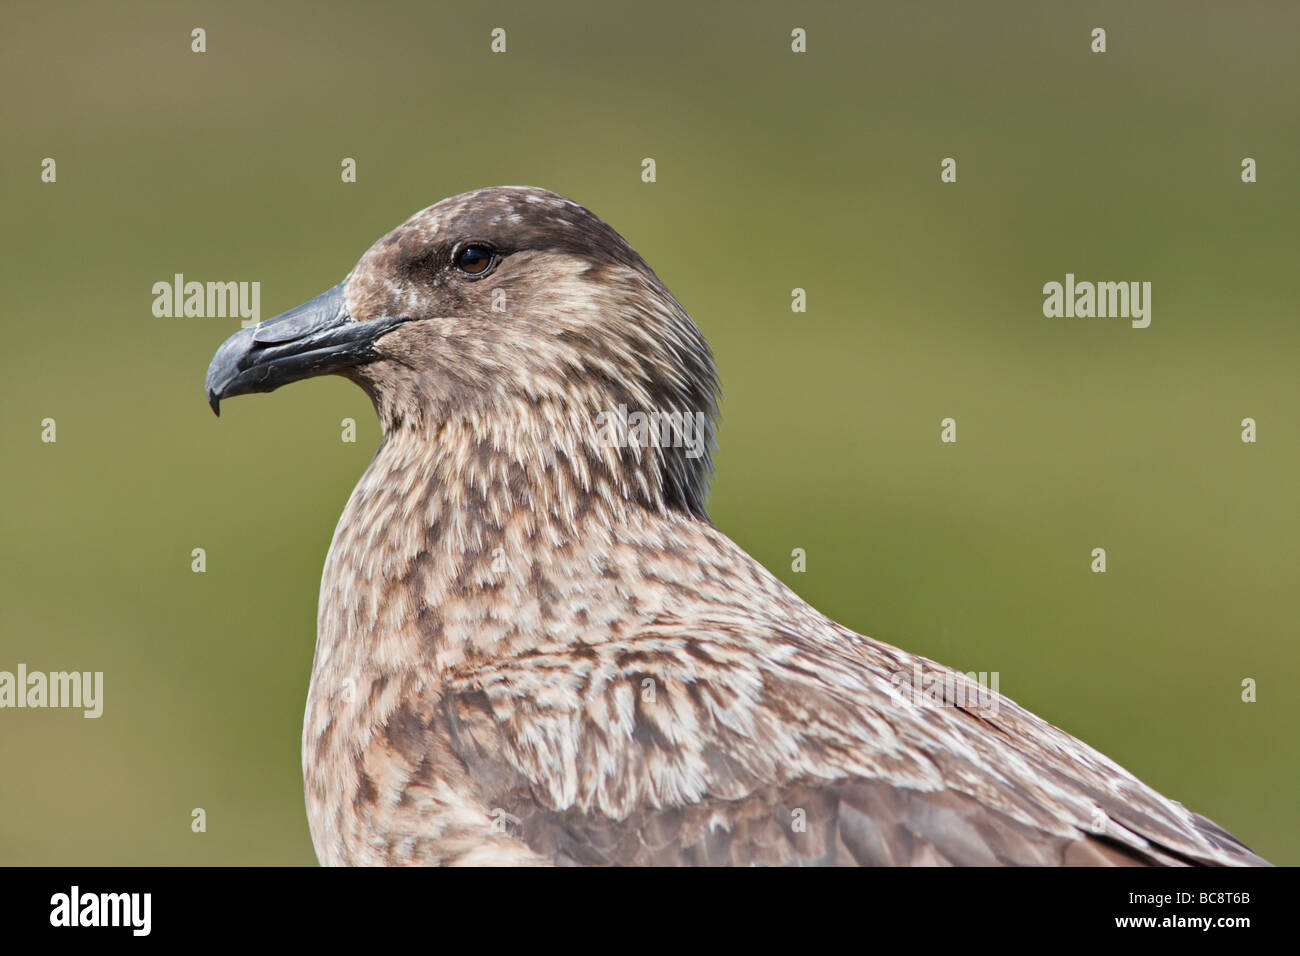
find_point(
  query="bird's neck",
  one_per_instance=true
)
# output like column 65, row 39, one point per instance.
column 459, row 545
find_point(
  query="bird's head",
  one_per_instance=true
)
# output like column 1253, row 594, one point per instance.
column 513, row 320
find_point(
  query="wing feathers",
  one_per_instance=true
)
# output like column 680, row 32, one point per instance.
column 748, row 762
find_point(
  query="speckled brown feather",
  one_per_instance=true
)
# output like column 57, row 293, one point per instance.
column 534, row 648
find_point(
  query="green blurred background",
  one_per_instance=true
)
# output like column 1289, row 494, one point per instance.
column 775, row 170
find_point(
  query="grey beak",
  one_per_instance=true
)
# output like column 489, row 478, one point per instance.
column 316, row 338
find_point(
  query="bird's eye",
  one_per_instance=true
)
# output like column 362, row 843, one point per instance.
column 474, row 259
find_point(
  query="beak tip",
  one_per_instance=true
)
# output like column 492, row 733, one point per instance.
column 317, row 337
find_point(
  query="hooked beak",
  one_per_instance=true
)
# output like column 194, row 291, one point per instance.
column 316, row 338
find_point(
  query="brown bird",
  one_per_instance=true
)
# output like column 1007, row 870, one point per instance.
column 534, row 647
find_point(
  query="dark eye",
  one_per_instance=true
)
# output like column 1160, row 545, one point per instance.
column 474, row 258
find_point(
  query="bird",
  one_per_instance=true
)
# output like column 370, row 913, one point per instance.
column 534, row 647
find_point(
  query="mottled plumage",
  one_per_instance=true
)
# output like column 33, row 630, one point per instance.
column 534, row 647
